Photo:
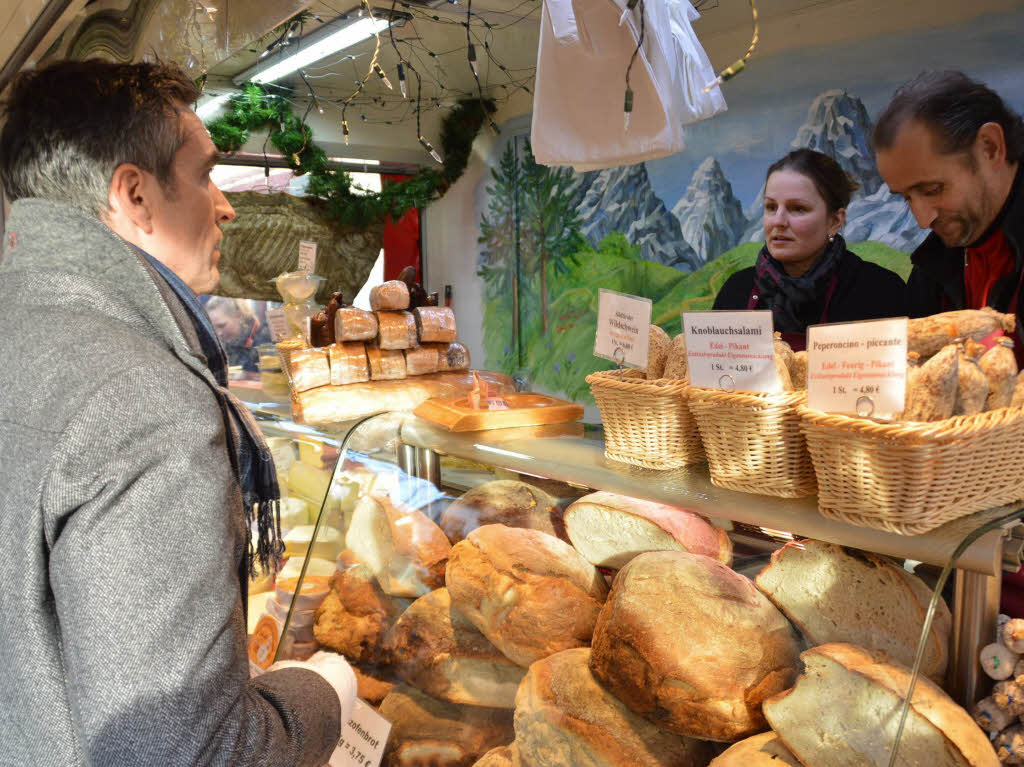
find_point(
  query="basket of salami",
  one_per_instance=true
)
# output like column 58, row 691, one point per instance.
column 752, row 439
column 954, row 450
column 644, row 413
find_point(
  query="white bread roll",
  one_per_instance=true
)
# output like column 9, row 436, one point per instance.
column 502, row 502
column 435, row 649
column 404, row 549
column 351, row 324
column 348, row 364
column 564, row 717
column 355, row 616
column 693, row 646
column 421, row 361
column 764, row 750
column 308, row 369
column 389, row 296
column 528, row 592
column 844, row 711
column 396, row 330
column 609, row 529
column 385, row 364
column 427, row 731
column 835, row 595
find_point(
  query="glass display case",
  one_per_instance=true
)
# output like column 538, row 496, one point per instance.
column 387, row 565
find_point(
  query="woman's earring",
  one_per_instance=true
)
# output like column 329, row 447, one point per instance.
column 831, row 238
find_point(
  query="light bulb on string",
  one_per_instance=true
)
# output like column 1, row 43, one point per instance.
column 433, row 152
column 627, row 108
column 344, row 130
column 383, row 76
column 472, row 59
column 401, row 80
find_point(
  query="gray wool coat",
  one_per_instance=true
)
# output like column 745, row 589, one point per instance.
column 122, row 637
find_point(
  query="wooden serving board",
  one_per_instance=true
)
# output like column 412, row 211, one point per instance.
column 524, row 409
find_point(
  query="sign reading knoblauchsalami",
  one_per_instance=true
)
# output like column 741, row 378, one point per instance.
column 731, row 350
column 623, row 328
column 857, row 368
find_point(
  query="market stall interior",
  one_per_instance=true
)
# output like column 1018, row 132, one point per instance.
column 694, row 576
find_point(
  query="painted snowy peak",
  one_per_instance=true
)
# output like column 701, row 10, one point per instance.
column 710, row 216
column 622, row 200
column 838, row 125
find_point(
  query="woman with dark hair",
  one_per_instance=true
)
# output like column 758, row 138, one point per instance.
column 804, row 273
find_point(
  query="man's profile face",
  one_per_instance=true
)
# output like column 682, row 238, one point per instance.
column 952, row 194
column 187, row 215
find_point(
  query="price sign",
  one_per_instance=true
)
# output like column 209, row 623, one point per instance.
column 858, row 368
column 623, row 328
column 362, row 739
column 731, row 350
column 307, row 256
column 278, row 324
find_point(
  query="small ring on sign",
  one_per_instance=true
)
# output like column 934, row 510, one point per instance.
column 619, row 356
column 727, row 383
column 865, row 406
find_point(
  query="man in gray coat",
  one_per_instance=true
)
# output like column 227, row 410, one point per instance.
column 129, row 476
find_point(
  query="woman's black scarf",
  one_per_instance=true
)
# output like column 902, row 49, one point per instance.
column 796, row 302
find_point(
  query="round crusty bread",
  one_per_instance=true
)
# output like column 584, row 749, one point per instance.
column 657, row 353
column 850, row 690
column 426, row 732
column 502, row 502
column 528, row 592
column 564, row 717
column 764, row 750
column 373, row 683
column 677, row 366
column 434, row 648
column 355, row 615
column 693, row 646
column 609, row 529
column 834, row 594
column 503, row 756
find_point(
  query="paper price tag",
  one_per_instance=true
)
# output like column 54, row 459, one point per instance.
column 278, row 324
column 858, row 368
column 623, row 328
column 362, row 739
column 307, row 256
column 734, row 351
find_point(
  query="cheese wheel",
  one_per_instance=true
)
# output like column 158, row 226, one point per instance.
column 351, row 324
column 391, row 295
column 451, row 357
column 308, row 369
column 314, row 589
column 435, row 324
column 421, row 360
column 385, row 364
column 348, row 364
column 396, row 330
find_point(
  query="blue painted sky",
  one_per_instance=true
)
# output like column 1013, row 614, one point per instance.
column 768, row 102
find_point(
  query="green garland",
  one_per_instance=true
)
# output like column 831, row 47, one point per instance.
column 254, row 109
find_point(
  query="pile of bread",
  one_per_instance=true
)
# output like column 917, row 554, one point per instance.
column 491, row 637
column 999, row 714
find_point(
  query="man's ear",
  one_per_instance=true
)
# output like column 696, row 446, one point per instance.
column 991, row 143
column 129, row 197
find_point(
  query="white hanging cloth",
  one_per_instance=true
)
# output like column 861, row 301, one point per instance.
column 585, row 47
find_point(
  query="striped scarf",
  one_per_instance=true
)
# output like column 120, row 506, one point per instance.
column 795, row 302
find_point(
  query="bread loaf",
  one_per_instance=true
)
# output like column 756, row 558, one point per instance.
column 348, row 364
column 782, row 371
column 385, row 364
column 844, row 711
column 502, row 502
column 564, row 717
column 971, row 386
column 1000, row 366
column 396, row 330
column 355, row 615
column 372, row 683
column 931, row 389
column 677, row 366
column 609, row 529
column 389, row 296
column 837, row 595
column 927, row 335
column 404, row 550
column 308, row 369
column 426, row 732
column 764, row 750
column 783, row 350
column 692, row 646
column 351, row 324
column 503, row 756
column 421, row 360
column 657, row 353
column 435, row 649
column 435, row 324
column 451, row 357
column 528, row 592
column 798, row 370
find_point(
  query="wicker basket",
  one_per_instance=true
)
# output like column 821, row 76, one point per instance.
column 646, row 423
column 753, row 441
column 911, row 478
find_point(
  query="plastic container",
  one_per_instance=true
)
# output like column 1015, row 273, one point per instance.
column 296, row 287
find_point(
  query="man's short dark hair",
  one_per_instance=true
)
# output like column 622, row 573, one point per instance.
column 70, row 124
column 954, row 106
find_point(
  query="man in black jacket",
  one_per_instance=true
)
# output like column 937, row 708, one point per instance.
column 952, row 148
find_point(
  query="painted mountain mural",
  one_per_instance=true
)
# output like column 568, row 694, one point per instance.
column 710, row 216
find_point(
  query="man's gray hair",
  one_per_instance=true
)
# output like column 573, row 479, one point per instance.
column 69, row 125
